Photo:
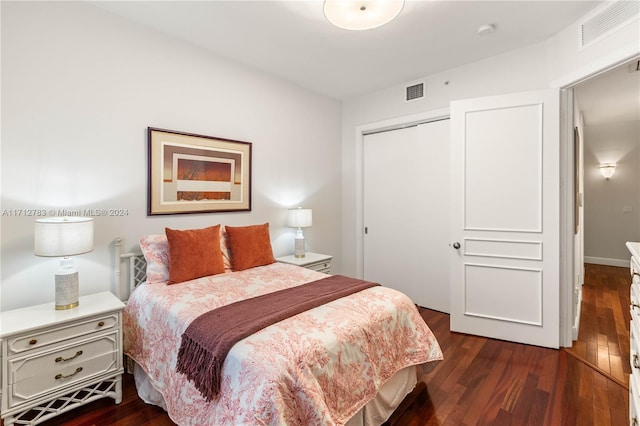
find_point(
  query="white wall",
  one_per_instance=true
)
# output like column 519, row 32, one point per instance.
column 607, row 226
column 554, row 63
column 79, row 88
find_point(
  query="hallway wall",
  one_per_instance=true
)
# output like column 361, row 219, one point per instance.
column 612, row 207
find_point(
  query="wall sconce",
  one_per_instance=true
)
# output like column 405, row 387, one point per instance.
column 607, row 170
column 300, row 218
column 64, row 237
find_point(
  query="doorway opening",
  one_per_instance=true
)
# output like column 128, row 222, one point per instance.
column 606, row 121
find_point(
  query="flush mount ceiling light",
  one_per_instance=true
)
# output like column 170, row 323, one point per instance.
column 361, row 14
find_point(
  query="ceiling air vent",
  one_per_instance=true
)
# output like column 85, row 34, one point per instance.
column 415, row 91
column 605, row 21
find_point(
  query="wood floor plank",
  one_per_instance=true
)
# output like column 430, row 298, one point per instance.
column 489, row 373
column 538, row 408
column 603, row 356
column 448, row 403
column 616, row 363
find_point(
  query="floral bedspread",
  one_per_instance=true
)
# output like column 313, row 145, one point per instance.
column 316, row 368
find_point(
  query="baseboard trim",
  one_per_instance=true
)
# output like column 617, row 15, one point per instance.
column 606, row 261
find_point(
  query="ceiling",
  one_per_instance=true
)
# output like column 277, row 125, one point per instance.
column 293, row 41
column 611, row 97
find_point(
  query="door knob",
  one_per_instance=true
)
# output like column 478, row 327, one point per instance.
column 456, row 245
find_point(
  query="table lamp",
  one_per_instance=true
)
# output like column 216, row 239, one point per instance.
column 299, row 218
column 64, row 237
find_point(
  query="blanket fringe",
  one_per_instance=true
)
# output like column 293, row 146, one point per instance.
column 200, row 367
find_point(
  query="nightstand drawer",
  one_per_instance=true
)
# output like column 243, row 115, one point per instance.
column 315, row 261
column 634, row 349
column 324, row 267
column 42, row 372
column 635, row 301
column 61, row 333
column 634, row 397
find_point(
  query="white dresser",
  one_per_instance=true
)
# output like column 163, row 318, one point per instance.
column 634, row 346
column 53, row 361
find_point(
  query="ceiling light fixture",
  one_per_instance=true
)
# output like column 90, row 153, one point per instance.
column 361, row 14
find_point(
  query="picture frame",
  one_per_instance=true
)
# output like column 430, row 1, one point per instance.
column 191, row 173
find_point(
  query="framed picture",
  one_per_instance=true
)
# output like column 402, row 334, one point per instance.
column 191, row 173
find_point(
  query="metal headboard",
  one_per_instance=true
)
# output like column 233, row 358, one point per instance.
column 136, row 272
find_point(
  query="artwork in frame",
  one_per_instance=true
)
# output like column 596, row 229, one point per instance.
column 191, row 173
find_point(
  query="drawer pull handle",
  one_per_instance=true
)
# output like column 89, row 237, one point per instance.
column 101, row 324
column 635, row 361
column 33, row 341
column 60, row 376
column 60, row 359
column 634, row 305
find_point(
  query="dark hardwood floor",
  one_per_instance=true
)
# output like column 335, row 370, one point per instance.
column 603, row 340
column 484, row 381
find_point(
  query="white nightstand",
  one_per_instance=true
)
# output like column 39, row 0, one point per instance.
column 54, row 361
column 317, row 262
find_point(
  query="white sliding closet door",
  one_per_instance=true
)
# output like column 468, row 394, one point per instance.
column 406, row 212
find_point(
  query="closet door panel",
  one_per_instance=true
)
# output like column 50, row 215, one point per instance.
column 406, row 212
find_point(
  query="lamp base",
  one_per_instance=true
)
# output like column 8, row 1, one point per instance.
column 67, row 291
column 65, row 307
column 299, row 246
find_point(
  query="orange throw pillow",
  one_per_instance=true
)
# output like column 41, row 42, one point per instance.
column 249, row 246
column 194, row 253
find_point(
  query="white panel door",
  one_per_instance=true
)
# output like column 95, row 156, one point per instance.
column 505, row 217
column 406, row 212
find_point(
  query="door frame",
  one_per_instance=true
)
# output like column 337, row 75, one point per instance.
column 569, row 324
column 360, row 132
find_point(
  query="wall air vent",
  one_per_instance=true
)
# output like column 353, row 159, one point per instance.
column 415, row 91
column 607, row 20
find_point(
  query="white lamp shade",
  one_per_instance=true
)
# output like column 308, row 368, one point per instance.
column 361, row 14
column 300, row 218
column 63, row 236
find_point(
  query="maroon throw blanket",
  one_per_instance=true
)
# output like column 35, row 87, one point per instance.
column 209, row 337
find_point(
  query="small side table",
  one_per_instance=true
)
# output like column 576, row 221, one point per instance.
column 53, row 361
column 317, row 262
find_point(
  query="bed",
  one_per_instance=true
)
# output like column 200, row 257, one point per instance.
column 350, row 361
